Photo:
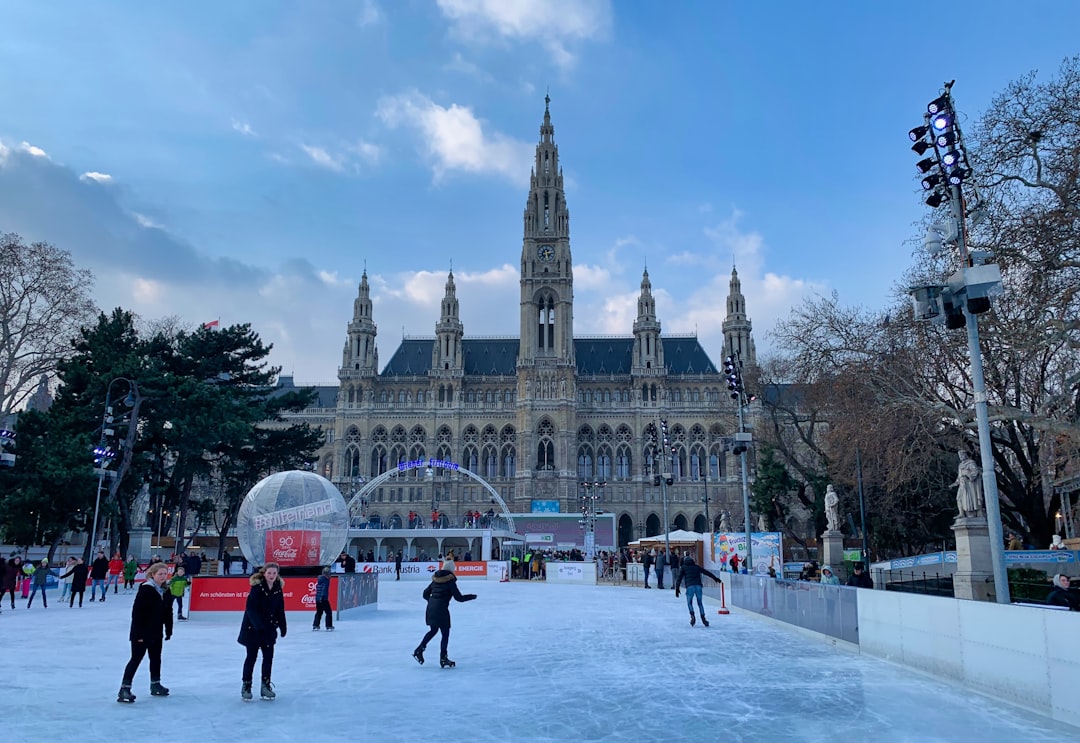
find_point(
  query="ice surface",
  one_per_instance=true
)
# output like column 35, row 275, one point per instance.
column 536, row 663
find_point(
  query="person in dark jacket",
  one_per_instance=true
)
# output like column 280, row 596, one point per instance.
column 264, row 617
column 322, row 601
column 397, row 565
column 442, row 588
column 661, row 563
column 647, row 561
column 691, row 572
column 150, row 617
column 41, row 576
column 859, row 578
column 78, row 574
column 11, row 578
column 1062, row 595
column 99, row 570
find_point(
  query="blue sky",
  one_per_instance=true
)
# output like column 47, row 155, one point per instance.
column 246, row 160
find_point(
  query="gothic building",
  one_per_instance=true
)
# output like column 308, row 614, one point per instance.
column 540, row 414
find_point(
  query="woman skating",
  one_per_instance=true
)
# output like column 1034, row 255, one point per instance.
column 150, row 617
column 264, row 617
column 442, row 588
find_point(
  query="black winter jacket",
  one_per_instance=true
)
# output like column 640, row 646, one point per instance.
column 264, row 614
column 1058, row 596
column 150, row 615
column 691, row 572
column 442, row 588
column 99, row 569
column 78, row 574
column 862, row 580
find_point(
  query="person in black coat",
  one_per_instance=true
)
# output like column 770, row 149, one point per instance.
column 859, row 578
column 691, row 572
column 150, row 616
column 1062, row 595
column 79, row 573
column 442, row 588
column 264, row 617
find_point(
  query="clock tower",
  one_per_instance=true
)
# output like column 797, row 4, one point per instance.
column 547, row 278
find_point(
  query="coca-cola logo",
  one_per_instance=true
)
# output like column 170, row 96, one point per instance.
column 281, row 554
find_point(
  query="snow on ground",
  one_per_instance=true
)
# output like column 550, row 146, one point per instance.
column 536, row 663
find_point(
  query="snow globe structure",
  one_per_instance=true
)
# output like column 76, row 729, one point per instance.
column 294, row 518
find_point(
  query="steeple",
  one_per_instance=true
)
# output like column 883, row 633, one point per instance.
column 360, row 358
column 648, row 348
column 547, row 277
column 446, row 356
column 737, row 325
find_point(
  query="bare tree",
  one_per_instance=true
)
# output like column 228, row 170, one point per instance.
column 44, row 300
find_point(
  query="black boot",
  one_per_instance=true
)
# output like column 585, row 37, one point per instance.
column 692, row 620
column 445, row 662
column 704, row 620
column 125, row 695
column 157, row 690
column 266, row 691
column 419, row 655
column 245, row 691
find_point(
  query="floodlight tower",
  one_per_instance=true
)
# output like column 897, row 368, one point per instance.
column 734, row 374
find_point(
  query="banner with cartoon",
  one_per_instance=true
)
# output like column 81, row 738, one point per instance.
column 768, row 551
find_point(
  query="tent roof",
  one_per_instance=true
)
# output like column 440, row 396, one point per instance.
column 679, row 535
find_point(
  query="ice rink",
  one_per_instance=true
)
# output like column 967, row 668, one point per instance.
column 536, row 663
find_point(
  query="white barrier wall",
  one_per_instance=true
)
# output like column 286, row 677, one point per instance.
column 1028, row 656
column 583, row 573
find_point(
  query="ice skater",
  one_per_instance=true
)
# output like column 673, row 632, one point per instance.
column 264, row 617
column 151, row 615
column 177, row 585
column 78, row 575
column 322, row 602
column 442, row 588
column 41, row 575
column 691, row 573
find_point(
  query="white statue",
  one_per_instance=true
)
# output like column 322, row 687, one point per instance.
column 140, row 508
column 1056, row 543
column 725, row 527
column 762, row 524
column 832, row 509
column 969, row 494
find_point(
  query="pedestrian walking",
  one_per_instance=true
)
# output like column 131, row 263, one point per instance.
column 264, row 617
column 78, row 575
column 151, row 618
column 647, row 561
column 442, row 588
column 41, row 575
column 661, row 563
column 99, row 570
column 691, row 573
column 322, row 601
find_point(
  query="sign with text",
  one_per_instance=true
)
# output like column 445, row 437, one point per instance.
column 768, row 550
column 230, row 593
column 293, row 547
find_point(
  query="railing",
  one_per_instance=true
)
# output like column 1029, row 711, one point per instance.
column 829, row 610
column 914, row 581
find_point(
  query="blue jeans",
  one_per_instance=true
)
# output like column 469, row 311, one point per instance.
column 93, row 588
column 33, row 592
column 113, row 580
column 691, row 592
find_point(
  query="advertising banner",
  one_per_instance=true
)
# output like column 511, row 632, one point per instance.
column 355, row 590
column 230, row 593
column 293, row 547
column 422, row 570
column 571, row 572
column 768, row 551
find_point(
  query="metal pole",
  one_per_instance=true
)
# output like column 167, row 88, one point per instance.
column 862, row 508
column 749, row 562
column 986, row 456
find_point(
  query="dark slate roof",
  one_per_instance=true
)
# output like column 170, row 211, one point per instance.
column 327, row 395
column 498, row 356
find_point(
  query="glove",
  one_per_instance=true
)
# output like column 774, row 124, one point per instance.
column 676, row 593
column 168, row 636
column 283, row 630
column 469, row 596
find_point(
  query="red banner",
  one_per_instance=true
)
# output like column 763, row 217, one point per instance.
column 470, row 569
column 230, row 594
column 293, row 547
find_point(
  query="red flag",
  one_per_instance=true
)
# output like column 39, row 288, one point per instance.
column 212, row 324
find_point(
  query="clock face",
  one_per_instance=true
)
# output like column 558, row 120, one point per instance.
column 546, row 253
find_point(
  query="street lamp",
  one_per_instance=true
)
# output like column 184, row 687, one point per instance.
column 967, row 294
column 591, row 492
column 106, row 450
column 742, row 439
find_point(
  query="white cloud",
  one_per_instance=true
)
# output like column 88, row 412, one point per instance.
column 454, row 138
column 367, row 151
column 331, row 278
column 147, row 291
column 321, row 157
column 145, row 221
column 552, row 23
column 243, row 127
column 32, row 150
column 97, row 177
column 369, row 14
column 278, row 158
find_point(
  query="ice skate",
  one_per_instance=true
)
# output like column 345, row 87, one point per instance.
column 693, row 621
column 266, row 691
column 704, row 620
column 315, row 628
column 419, row 655
column 445, row 662
column 245, row 691
column 125, row 696
column 329, row 629
column 157, row 690
column 182, row 619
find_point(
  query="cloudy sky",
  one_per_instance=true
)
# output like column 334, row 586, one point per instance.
column 246, row 160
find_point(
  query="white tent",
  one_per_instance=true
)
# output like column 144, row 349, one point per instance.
column 679, row 535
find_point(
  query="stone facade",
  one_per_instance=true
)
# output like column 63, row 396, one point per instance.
column 542, row 413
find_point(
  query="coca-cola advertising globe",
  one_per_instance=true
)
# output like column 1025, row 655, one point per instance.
column 295, row 518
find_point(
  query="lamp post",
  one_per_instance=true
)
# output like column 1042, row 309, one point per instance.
column 733, row 371
column 659, row 439
column 591, row 492
column 967, row 294
column 106, row 450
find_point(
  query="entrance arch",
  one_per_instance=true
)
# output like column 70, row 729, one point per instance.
column 700, row 524
column 652, row 525
column 680, row 522
column 356, row 503
column 626, row 530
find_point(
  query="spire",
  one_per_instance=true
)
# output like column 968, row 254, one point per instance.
column 737, row 326
column 360, row 357
column 546, row 215
column 446, row 355
column 648, row 348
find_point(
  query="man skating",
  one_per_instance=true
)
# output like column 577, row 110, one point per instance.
column 691, row 572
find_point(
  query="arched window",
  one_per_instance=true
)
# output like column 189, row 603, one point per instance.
column 508, row 462
column 491, row 462
column 545, row 446
column 603, row 463
column 622, row 462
